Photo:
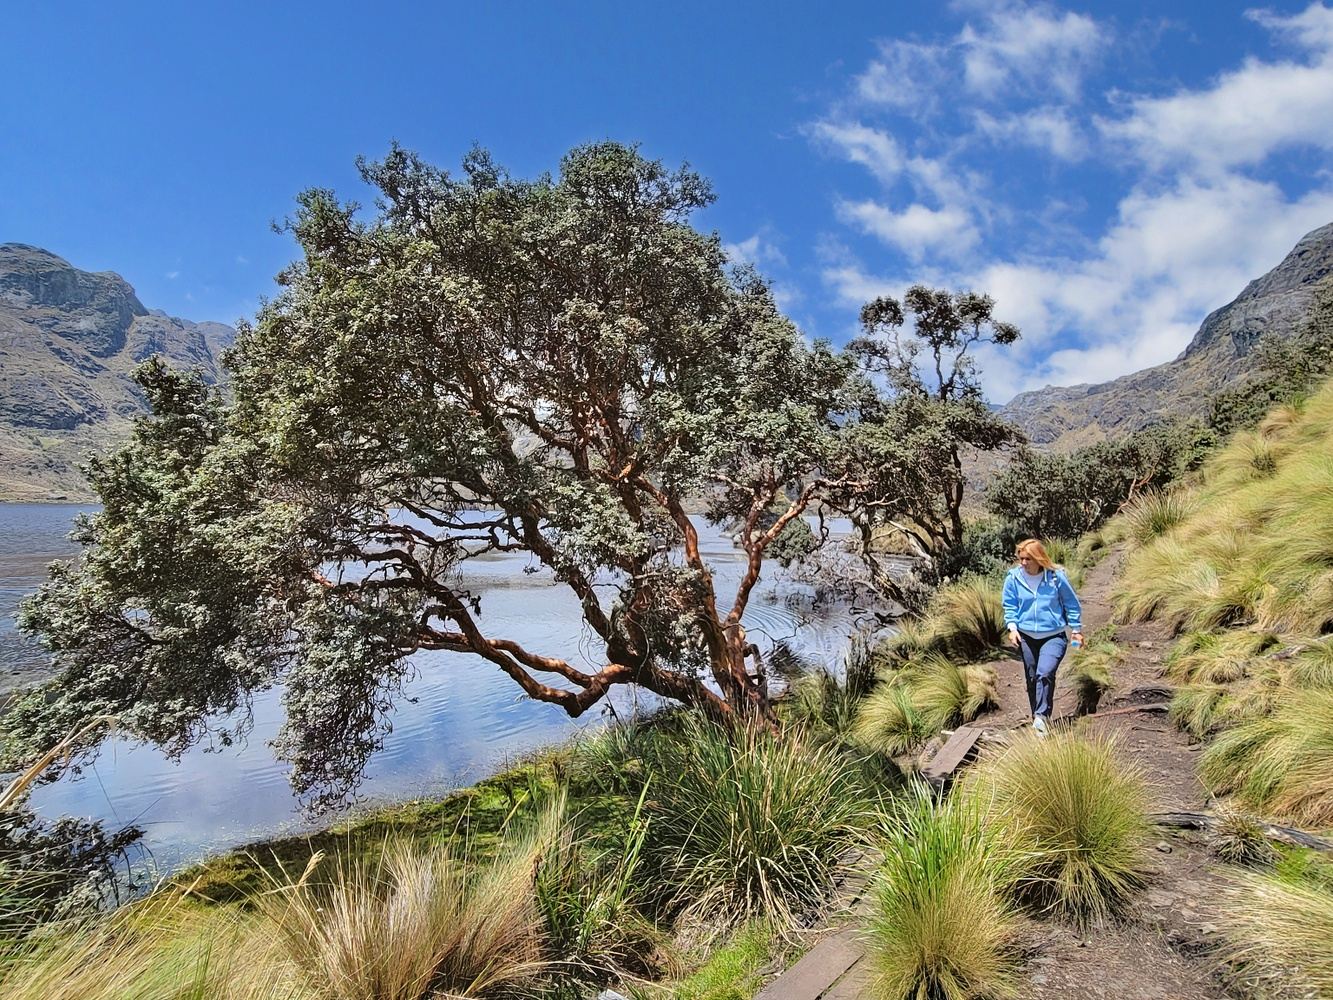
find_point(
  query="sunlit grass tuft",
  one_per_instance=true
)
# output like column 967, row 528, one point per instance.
column 940, row 924
column 1077, row 815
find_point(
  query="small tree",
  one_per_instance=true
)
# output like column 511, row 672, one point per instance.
column 555, row 367
column 934, row 415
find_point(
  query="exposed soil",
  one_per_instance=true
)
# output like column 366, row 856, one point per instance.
column 1168, row 948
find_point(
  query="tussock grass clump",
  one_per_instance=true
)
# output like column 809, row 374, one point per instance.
column 1281, row 763
column 1283, row 928
column 966, row 619
column 161, row 948
column 921, row 698
column 1155, row 512
column 889, row 722
column 1240, row 840
column 1076, row 814
column 941, row 924
column 745, row 825
column 1090, row 672
column 412, row 923
column 1218, row 656
column 1256, row 547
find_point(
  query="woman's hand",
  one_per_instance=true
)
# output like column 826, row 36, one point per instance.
column 1077, row 637
column 1012, row 641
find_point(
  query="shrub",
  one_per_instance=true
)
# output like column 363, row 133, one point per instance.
column 940, row 925
column 587, row 901
column 1283, row 928
column 920, row 698
column 966, row 618
column 745, row 825
column 1076, row 814
column 1281, row 763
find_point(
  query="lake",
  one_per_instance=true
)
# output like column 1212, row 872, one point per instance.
column 459, row 718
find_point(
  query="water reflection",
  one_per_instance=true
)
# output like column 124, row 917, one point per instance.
column 458, row 720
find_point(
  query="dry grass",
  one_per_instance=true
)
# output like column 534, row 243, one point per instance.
column 919, row 699
column 1283, row 930
column 1280, row 763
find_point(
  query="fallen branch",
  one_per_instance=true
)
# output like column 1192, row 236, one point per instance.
column 1208, row 822
column 15, row 789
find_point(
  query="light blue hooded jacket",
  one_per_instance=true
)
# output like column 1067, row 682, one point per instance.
column 1045, row 612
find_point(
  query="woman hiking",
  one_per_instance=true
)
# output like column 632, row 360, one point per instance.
column 1039, row 604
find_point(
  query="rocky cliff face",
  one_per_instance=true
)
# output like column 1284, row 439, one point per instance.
column 1082, row 414
column 68, row 342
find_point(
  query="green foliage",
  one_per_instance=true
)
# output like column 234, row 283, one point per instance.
column 732, row 971
column 919, row 699
column 1077, row 817
column 1153, row 513
column 1280, row 763
column 924, row 348
column 964, row 620
column 940, row 924
column 588, row 900
column 1240, row 840
column 1254, row 550
column 1046, row 493
column 1090, row 672
column 1285, row 369
column 555, row 366
column 746, row 824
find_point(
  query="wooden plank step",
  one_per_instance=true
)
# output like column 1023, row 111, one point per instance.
column 952, row 754
column 819, row 968
column 854, row 984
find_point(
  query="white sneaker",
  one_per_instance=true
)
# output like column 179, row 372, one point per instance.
column 1040, row 725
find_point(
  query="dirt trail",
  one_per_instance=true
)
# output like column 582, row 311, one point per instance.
column 1167, row 948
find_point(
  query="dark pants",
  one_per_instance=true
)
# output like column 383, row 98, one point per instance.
column 1041, row 659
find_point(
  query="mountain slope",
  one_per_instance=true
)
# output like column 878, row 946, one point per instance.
column 1068, row 417
column 68, row 342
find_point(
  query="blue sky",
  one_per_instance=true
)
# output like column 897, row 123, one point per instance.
column 1109, row 172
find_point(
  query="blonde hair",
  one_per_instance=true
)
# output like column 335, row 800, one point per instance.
column 1033, row 548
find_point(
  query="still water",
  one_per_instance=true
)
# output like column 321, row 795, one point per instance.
column 458, row 720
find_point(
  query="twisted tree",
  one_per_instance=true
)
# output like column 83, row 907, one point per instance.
column 559, row 367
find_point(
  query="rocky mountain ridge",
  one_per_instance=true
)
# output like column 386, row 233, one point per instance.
column 1071, row 416
column 69, row 340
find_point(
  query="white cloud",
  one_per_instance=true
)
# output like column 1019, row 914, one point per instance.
column 1031, row 48
column 1047, row 129
column 173, row 275
column 868, row 147
column 759, row 251
column 906, row 76
column 1245, row 115
column 242, row 259
column 915, row 230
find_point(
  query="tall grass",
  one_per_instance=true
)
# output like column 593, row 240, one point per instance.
column 941, row 925
column 1256, row 546
column 744, row 824
column 1090, row 674
column 412, row 923
column 921, row 698
column 964, row 620
column 161, row 949
column 1155, row 512
column 1076, row 814
column 1280, row 763
column 1283, row 928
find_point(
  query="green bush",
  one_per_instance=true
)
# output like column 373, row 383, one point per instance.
column 919, row 699
column 940, row 924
